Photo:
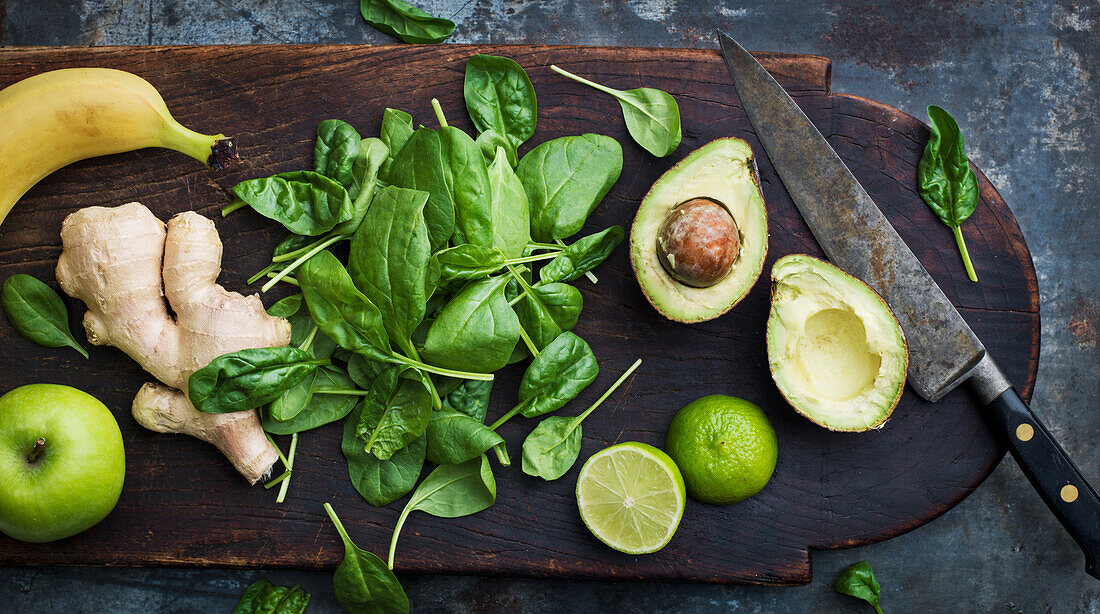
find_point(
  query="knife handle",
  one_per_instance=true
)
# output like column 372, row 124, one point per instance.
column 1051, row 472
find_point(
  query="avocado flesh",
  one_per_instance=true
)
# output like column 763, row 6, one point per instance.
column 836, row 351
column 722, row 170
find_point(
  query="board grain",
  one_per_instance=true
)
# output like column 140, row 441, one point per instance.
column 183, row 504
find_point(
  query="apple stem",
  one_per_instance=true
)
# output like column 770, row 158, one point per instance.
column 38, row 445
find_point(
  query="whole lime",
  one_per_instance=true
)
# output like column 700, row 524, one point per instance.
column 725, row 448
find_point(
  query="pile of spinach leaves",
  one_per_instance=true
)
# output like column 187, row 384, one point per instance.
column 459, row 259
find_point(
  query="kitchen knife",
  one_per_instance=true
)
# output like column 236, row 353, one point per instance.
column 943, row 351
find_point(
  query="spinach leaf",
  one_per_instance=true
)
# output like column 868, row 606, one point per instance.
column 582, row 256
column 558, row 374
column 286, row 306
column 490, row 140
column 293, row 401
column 305, row 202
column 368, row 163
column 511, row 211
column 263, row 597
column 500, row 97
column 363, row 370
column 468, row 262
column 335, row 151
column 859, row 582
column 380, row 482
column 565, row 179
column 389, row 261
column 340, row 310
column 363, row 582
column 546, row 310
column 652, row 116
column 37, row 313
column 468, row 178
column 421, row 165
column 396, row 413
column 397, row 127
column 451, row 491
column 476, row 331
column 323, row 407
column 247, row 379
column 945, row 180
column 453, row 437
column 553, row 446
column 405, row 21
column 471, row 397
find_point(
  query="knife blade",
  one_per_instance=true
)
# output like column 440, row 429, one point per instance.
column 943, row 350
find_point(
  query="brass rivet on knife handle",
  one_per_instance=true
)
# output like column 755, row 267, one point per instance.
column 1025, row 432
column 1069, row 493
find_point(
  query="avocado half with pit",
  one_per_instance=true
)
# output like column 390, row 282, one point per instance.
column 701, row 233
column 836, row 351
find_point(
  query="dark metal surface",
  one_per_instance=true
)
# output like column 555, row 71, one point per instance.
column 853, row 232
column 1020, row 78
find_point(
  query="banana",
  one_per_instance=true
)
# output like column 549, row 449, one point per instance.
column 56, row 118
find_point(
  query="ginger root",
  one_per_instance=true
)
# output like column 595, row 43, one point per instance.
column 123, row 264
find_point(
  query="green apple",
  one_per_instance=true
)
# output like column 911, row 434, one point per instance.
column 61, row 462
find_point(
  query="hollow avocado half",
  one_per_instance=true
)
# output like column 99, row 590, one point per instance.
column 723, row 171
column 835, row 349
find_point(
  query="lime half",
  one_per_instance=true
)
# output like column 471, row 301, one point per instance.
column 631, row 496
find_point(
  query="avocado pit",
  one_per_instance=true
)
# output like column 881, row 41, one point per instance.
column 698, row 242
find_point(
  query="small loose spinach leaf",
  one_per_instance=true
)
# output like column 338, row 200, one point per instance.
column 380, row 482
column 471, row 397
column 451, row 491
column 468, row 262
column 466, row 174
column 263, row 597
column 405, row 21
column 397, row 127
column 363, row 582
column 322, row 409
column 945, row 180
column 334, row 153
column 372, row 154
column 500, row 97
column 340, row 310
column 397, row 412
column 582, row 256
column 511, row 210
column 565, row 179
column 551, row 449
column 286, row 306
column 247, row 379
column 652, row 116
column 557, row 375
column 420, row 165
column 548, row 309
column 454, row 437
column 389, row 260
column 476, row 331
column 859, row 581
column 305, row 202
column 37, row 313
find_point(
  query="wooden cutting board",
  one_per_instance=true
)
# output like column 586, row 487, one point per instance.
column 182, row 503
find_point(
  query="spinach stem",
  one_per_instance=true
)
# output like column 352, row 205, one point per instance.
column 511, row 413
column 286, row 279
column 284, row 475
column 289, row 468
column 301, row 250
column 344, row 391
column 522, row 331
column 233, row 206
column 443, row 123
column 410, row 349
column 603, row 397
column 339, row 525
column 423, row 366
column 965, row 254
column 551, row 246
column 588, row 274
column 276, row 446
column 532, row 258
column 263, row 273
column 308, row 341
column 397, row 532
column 519, row 298
column 501, row 450
column 306, row 256
column 531, row 347
column 603, row 88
